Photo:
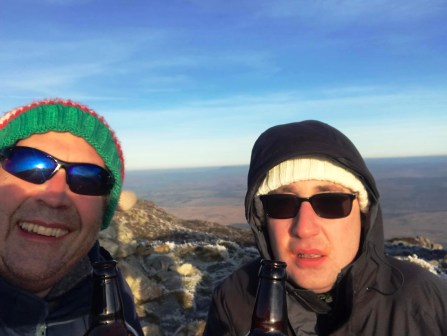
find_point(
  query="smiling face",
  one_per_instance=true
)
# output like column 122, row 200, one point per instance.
column 46, row 229
column 314, row 248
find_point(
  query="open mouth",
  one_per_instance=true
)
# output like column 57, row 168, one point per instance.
column 309, row 256
column 43, row 230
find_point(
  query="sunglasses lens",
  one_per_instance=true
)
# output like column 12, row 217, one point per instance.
column 332, row 205
column 325, row 205
column 28, row 164
column 89, row 179
column 35, row 166
column 280, row 206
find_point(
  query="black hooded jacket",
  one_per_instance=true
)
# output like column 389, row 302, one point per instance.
column 374, row 295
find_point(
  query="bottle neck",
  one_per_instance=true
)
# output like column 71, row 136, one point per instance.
column 270, row 312
column 106, row 305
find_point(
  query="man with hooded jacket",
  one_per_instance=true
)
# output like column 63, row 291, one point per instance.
column 312, row 202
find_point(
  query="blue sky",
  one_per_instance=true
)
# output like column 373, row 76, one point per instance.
column 194, row 83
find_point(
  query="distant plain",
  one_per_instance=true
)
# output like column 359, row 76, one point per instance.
column 413, row 194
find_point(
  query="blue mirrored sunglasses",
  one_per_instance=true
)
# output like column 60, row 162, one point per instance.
column 35, row 166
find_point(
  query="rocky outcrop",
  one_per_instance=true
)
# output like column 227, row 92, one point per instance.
column 172, row 264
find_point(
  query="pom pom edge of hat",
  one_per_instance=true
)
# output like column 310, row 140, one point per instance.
column 313, row 168
column 62, row 115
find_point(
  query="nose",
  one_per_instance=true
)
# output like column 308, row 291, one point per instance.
column 54, row 192
column 305, row 223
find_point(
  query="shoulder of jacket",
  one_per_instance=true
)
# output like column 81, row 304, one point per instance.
column 242, row 282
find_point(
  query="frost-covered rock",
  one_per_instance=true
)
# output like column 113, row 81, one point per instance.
column 172, row 265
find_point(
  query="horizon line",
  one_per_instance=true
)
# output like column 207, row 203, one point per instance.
column 247, row 164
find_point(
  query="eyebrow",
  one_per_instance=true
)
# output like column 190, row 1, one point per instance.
column 327, row 187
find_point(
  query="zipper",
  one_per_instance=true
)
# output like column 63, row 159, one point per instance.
column 41, row 329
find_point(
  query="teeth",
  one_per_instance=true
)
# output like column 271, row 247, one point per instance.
column 302, row 255
column 42, row 230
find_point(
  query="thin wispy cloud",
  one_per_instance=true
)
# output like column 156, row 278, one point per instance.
column 196, row 82
column 341, row 11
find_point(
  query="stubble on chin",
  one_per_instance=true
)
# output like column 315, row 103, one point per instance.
column 37, row 266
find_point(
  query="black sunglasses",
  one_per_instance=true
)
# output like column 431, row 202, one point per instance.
column 326, row 205
column 35, row 166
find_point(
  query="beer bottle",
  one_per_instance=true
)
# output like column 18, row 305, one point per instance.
column 270, row 312
column 107, row 317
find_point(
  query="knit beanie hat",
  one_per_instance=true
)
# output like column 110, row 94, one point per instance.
column 313, row 168
column 66, row 116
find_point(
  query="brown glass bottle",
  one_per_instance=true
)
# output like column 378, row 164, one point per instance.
column 107, row 317
column 270, row 312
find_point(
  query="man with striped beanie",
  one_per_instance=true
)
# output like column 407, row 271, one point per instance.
column 61, row 175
